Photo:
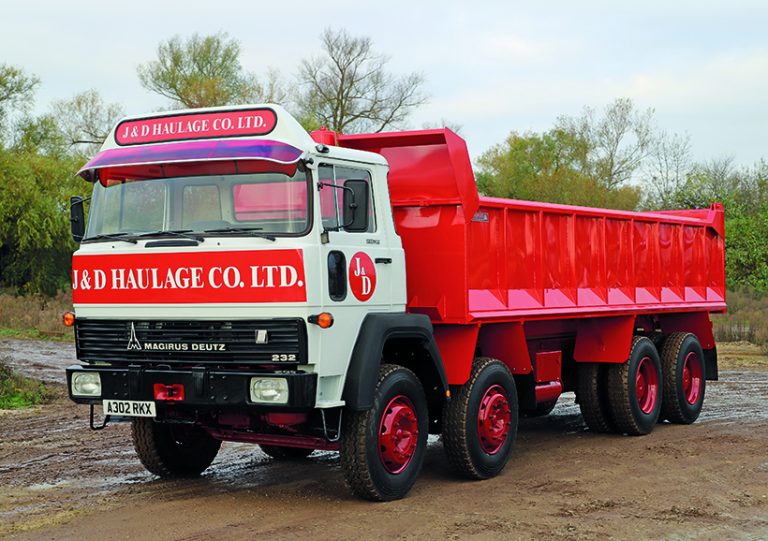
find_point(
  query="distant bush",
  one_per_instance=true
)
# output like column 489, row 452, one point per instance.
column 34, row 315
column 35, row 242
column 746, row 320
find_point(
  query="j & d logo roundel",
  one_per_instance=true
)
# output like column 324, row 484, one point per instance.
column 362, row 276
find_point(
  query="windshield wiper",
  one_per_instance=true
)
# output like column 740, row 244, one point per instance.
column 125, row 237
column 173, row 233
column 253, row 231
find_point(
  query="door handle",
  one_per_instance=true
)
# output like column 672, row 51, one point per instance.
column 383, row 260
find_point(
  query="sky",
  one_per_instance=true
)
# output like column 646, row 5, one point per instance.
column 492, row 67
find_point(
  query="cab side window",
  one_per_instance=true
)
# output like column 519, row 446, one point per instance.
column 332, row 199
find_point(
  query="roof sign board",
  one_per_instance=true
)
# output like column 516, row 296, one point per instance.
column 187, row 126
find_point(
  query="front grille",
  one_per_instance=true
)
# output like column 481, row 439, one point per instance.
column 196, row 342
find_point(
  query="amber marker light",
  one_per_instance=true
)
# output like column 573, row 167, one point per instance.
column 68, row 318
column 322, row 320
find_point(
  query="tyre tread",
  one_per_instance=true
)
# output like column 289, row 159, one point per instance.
column 619, row 394
column 353, row 450
column 592, row 399
column 455, row 418
column 670, row 405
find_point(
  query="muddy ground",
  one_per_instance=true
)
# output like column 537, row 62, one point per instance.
column 59, row 480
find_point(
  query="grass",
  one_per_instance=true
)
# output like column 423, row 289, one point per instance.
column 17, row 391
column 746, row 320
column 34, row 316
column 740, row 355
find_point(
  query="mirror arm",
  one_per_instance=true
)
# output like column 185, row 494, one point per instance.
column 352, row 205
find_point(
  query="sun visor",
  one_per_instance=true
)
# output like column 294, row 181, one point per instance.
column 191, row 151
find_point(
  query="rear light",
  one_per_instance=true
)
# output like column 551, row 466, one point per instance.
column 68, row 319
column 173, row 392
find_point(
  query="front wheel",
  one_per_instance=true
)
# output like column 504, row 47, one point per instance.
column 480, row 421
column 173, row 450
column 382, row 449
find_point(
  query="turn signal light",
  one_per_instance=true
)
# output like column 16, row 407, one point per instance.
column 322, row 320
column 68, row 318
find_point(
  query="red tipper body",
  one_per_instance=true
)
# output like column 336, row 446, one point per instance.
column 516, row 276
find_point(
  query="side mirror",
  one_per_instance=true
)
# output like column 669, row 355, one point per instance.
column 356, row 205
column 77, row 217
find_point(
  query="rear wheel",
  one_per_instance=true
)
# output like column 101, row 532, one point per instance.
column 173, row 450
column 480, row 421
column 382, row 449
column 279, row 452
column 593, row 398
column 635, row 389
column 682, row 361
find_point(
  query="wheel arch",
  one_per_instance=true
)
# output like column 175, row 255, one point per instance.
column 400, row 338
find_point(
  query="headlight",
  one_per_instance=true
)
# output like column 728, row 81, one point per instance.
column 86, row 384
column 269, row 390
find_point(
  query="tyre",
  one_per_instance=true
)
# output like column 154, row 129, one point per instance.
column 480, row 421
column 279, row 452
column 382, row 449
column 682, row 363
column 592, row 396
column 172, row 450
column 635, row 389
column 545, row 408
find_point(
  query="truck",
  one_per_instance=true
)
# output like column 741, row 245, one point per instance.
column 240, row 279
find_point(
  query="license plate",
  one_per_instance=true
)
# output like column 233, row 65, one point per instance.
column 129, row 408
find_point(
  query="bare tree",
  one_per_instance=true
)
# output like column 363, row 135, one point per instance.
column 349, row 90
column 455, row 127
column 619, row 140
column 205, row 71
column 85, row 120
column 667, row 169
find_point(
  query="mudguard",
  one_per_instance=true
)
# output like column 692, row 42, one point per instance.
column 364, row 365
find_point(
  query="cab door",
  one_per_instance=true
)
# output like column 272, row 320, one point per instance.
column 358, row 264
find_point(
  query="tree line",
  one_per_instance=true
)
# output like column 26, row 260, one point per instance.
column 615, row 157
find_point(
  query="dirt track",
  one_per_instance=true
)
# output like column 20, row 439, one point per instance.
column 59, row 480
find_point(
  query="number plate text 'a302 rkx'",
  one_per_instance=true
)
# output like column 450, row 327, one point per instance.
column 129, row 408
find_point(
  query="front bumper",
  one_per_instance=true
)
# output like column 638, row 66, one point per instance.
column 204, row 388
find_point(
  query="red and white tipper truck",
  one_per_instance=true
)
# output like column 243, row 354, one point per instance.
column 242, row 280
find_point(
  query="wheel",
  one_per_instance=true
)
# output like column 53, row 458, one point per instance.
column 382, row 449
column 635, row 389
column 545, row 408
column 480, row 421
column 682, row 363
column 279, row 452
column 593, row 398
column 171, row 450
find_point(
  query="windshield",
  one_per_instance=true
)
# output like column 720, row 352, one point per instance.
column 273, row 204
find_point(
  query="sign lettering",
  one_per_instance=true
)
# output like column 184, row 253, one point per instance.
column 212, row 125
column 199, row 277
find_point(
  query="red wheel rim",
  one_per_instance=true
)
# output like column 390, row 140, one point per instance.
column 692, row 377
column 398, row 434
column 493, row 419
column 647, row 385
